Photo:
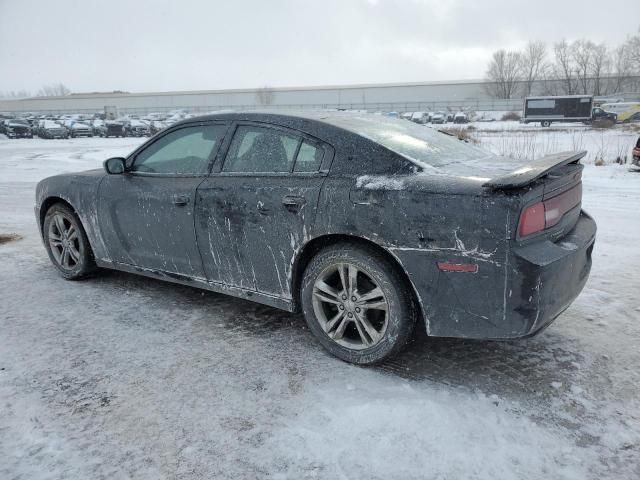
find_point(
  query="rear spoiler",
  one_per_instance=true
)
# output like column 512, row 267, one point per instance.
column 533, row 171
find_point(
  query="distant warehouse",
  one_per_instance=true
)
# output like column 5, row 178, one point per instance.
column 401, row 97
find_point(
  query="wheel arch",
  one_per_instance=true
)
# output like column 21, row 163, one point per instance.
column 49, row 202
column 312, row 247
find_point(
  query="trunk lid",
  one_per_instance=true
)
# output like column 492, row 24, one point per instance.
column 550, row 193
column 550, row 165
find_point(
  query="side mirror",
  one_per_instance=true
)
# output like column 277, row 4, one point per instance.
column 114, row 166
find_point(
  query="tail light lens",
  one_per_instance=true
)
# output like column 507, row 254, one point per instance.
column 532, row 220
column 542, row 215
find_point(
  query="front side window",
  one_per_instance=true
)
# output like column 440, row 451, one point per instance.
column 185, row 151
column 259, row 149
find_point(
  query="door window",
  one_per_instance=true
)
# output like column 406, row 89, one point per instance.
column 259, row 149
column 185, row 151
column 309, row 158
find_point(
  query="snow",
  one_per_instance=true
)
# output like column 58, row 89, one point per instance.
column 520, row 141
column 120, row 376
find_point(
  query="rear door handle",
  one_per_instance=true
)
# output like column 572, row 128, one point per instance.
column 262, row 209
column 293, row 202
column 180, row 200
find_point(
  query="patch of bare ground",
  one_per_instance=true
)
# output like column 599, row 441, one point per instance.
column 9, row 237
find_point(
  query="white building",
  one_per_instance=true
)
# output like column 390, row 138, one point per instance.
column 400, row 97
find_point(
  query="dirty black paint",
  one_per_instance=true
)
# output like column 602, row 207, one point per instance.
column 240, row 234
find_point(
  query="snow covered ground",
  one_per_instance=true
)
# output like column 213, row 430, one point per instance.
column 125, row 377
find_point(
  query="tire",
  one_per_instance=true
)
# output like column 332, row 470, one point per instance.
column 545, row 123
column 69, row 235
column 342, row 325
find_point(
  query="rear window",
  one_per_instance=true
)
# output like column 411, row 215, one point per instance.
column 424, row 146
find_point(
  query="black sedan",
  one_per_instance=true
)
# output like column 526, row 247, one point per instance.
column 17, row 128
column 366, row 224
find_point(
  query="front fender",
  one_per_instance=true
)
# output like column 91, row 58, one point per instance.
column 80, row 192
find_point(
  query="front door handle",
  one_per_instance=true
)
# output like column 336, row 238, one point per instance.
column 293, row 202
column 180, row 200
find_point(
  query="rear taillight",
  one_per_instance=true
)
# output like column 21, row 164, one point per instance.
column 532, row 220
column 537, row 217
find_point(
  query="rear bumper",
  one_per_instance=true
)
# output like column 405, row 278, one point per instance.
column 547, row 278
column 514, row 293
column 19, row 134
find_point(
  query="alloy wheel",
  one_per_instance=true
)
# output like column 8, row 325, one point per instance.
column 64, row 240
column 350, row 306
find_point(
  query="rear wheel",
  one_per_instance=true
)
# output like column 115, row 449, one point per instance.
column 545, row 123
column 66, row 243
column 357, row 304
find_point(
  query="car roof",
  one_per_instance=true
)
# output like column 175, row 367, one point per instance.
column 349, row 121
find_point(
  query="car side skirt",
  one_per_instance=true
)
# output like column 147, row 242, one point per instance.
column 252, row 295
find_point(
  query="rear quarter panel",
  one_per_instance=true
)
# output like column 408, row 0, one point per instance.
column 423, row 220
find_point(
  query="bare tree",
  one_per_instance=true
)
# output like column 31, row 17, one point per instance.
column 15, row 94
column 581, row 51
column 600, row 65
column 533, row 64
column 633, row 50
column 265, row 95
column 620, row 69
column 503, row 74
column 54, row 90
column 564, row 67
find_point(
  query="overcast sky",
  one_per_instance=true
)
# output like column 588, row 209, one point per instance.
column 138, row 45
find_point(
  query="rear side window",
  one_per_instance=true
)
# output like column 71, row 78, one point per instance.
column 258, row 149
column 309, row 158
column 185, row 151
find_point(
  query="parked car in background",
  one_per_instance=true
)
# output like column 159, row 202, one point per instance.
column 635, row 118
column 98, row 128
column 137, row 128
column 155, row 126
column 17, row 128
column 420, row 117
column 78, row 129
column 623, row 110
column 635, row 153
column 599, row 114
column 114, row 129
column 50, row 129
column 439, row 118
column 460, row 117
column 406, row 115
column 363, row 223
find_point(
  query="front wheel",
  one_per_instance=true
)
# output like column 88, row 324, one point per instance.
column 66, row 243
column 357, row 304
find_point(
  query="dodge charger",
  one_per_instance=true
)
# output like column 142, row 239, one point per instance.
column 366, row 224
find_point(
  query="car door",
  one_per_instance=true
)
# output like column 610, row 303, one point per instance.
column 256, row 208
column 146, row 215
